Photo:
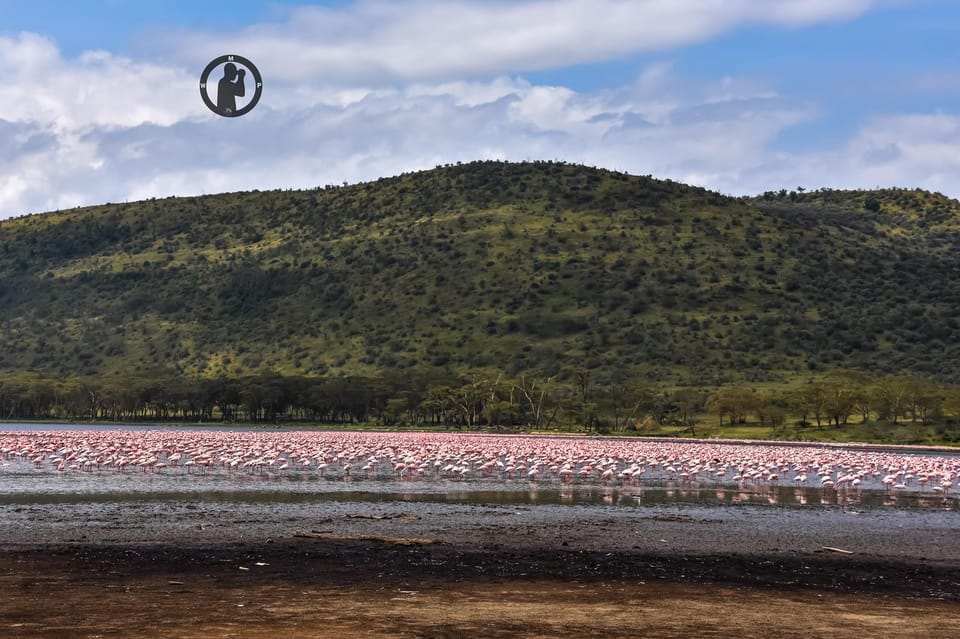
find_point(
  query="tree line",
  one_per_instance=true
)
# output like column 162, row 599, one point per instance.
column 837, row 398
column 578, row 399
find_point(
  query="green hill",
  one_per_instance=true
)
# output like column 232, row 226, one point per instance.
column 516, row 268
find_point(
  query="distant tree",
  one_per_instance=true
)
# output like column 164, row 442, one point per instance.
column 810, row 399
column 951, row 402
column 688, row 401
column 468, row 401
column 224, row 394
column 438, row 403
column 890, row 397
column 840, row 390
column 924, row 399
column 634, row 401
column 538, row 396
column 735, row 402
column 862, row 403
column 394, row 410
column 764, row 404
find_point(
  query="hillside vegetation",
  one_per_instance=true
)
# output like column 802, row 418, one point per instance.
column 489, row 268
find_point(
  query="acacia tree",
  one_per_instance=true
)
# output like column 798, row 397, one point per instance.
column 733, row 401
column 839, row 390
column 764, row 405
column 439, row 403
column 951, row 402
column 468, row 401
column 537, row 396
column 862, row 400
column 688, row 402
column 890, row 396
column 583, row 383
column 812, row 398
column 224, row 394
column 924, row 399
column 647, row 402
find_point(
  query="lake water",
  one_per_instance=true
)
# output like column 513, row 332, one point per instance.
column 22, row 482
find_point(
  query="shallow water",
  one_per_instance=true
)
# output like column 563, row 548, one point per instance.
column 21, row 483
column 26, row 485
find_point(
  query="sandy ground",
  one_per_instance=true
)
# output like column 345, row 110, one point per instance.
column 399, row 569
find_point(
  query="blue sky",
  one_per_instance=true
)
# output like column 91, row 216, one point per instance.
column 115, row 25
column 100, row 102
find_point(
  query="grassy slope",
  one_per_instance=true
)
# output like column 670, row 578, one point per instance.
column 513, row 267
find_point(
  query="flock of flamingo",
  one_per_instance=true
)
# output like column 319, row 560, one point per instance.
column 458, row 456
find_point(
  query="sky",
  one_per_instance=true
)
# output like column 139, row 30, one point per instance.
column 100, row 99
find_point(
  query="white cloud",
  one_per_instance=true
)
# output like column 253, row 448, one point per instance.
column 97, row 88
column 387, row 131
column 375, row 41
column 718, row 136
column 906, row 150
column 422, row 83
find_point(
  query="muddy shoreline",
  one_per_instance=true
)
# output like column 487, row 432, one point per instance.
column 309, row 587
column 437, row 570
column 402, row 562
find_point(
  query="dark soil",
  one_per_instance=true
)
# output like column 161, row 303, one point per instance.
column 369, row 576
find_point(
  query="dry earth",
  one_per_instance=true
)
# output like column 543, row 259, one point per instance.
column 435, row 570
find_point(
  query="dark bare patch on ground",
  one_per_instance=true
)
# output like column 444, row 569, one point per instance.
column 324, row 587
column 237, row 569
column 395, row 561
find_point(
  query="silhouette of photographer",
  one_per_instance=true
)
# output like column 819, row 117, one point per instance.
column 230, row 88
